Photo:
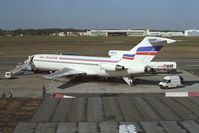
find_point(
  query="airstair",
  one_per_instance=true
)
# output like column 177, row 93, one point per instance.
column 22, row 68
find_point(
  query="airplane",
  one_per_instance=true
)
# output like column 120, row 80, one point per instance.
column 124, row 64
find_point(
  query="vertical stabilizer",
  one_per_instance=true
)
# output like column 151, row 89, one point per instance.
column 146, row 50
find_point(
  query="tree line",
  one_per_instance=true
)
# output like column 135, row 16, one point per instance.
column 36, row 32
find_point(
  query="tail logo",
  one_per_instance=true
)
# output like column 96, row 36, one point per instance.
column 150, row 50
column 128, row 56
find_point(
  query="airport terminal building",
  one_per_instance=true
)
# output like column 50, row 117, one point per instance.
column 192, row 32
column 136, row 32
column 129, row 32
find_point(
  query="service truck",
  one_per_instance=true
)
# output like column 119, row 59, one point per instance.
column 171, row 82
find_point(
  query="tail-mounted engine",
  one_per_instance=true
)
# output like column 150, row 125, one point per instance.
column 148, row 69
column 112, row 67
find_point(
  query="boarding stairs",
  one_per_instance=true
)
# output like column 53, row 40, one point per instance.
column 22, row 68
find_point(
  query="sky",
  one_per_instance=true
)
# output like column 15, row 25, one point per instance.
column 99, row 14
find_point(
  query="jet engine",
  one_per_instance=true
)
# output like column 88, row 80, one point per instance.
column 148, row 69
column 111, row 67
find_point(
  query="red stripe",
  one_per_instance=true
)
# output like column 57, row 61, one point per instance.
column 129, row 58
column 146, row 53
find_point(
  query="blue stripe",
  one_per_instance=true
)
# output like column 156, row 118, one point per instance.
column 129, row 55
column 149, row 48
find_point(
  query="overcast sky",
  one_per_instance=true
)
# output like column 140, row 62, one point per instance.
column 99, row 14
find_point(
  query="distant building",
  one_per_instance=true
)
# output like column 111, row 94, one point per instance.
column 53, row 34
column 192, row 32
column 61, row 34
column 138, row 32
column 87, row 33
column 98, row 32
column 165, row 34
column 70, row 33
column 155, row 33
column 81, row 33
column 21, row 35
column 175, row 33
column 129, row 32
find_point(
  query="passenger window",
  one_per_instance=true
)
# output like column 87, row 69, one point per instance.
column 169, row 81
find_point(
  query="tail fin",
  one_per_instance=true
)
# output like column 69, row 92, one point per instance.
column 146, row 50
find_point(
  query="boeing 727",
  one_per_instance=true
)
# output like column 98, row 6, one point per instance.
column 123, row 64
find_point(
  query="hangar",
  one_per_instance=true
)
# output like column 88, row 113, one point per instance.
column 192, row 32
column 129, row 32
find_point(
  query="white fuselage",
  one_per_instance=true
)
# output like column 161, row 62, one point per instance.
column 89, row 65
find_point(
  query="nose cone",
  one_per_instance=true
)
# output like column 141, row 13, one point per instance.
column 170, row 40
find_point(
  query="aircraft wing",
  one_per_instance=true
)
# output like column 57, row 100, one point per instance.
column 63, row 72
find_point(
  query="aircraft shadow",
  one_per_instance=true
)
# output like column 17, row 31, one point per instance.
column 83, row 79
column 189, row 83
column 72, row 82
column 147, row 82
column 154, row 74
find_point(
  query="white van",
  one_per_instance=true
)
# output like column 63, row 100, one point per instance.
column 171, row 82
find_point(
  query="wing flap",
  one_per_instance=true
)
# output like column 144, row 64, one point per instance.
column 63, row 72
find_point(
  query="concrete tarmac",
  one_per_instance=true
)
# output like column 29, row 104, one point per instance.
column 186, row 126
column 102, row 106
column 31, row 85
column 149, row 113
